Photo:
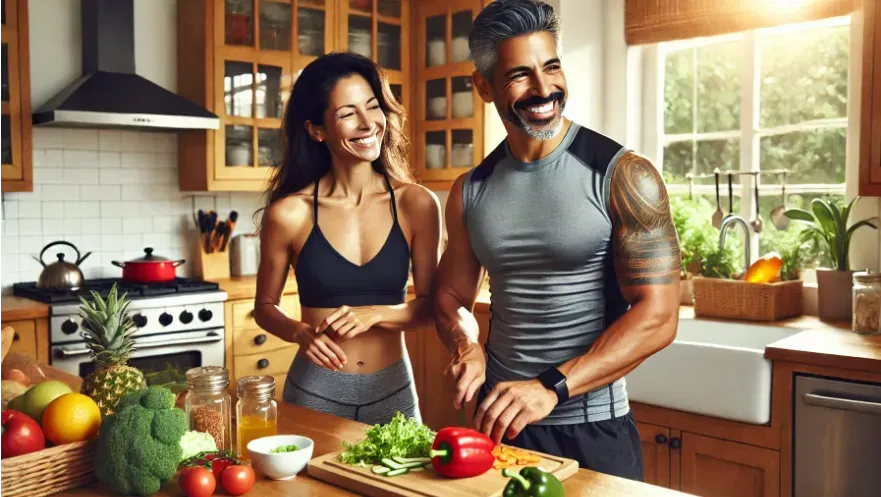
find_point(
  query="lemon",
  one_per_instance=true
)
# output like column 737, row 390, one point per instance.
column 72, row 417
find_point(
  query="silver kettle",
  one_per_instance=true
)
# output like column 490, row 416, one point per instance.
column 61, row 275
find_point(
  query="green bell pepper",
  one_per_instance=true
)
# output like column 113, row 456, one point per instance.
column 532, row 482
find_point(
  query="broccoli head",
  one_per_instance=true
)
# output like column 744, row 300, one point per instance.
column 138, row 447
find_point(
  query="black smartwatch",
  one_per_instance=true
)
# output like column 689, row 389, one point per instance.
column 554, row 380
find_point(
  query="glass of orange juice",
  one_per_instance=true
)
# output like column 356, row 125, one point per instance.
column 256, row 411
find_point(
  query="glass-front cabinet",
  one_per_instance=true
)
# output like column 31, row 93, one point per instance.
column 15, row 122
column 448, row 112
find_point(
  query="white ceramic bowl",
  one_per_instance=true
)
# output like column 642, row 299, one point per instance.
column 282, row 466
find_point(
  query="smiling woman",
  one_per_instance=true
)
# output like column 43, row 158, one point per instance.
column 344, row 212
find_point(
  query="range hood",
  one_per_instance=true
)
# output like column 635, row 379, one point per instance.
column 109, row 94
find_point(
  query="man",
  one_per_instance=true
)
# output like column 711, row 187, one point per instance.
column 575, row 233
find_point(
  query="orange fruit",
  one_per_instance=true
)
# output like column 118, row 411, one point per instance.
column 72, row 417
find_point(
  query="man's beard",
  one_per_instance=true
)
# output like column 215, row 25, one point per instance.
column 540, row 130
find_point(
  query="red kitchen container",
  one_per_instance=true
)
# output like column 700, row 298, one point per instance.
column 149, row 268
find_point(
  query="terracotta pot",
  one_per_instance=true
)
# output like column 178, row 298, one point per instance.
column 834, row 295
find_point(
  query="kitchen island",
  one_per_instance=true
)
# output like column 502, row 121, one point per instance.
column 328, row 433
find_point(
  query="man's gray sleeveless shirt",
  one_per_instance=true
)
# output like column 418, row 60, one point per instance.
column 543, row 232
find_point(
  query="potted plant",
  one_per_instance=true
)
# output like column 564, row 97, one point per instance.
column 828, row 229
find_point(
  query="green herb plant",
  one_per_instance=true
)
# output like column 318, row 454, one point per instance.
column 400, row 437
column 827, row 228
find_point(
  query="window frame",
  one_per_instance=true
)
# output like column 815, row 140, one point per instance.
column 750, row 134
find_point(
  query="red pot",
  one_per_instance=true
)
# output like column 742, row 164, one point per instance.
column 149, row 269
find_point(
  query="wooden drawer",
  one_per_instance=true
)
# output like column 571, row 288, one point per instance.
column 279, row 361
column 25, row 341
column 243, row 312
column 246, row 342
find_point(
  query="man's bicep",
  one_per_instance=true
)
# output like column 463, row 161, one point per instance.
column 644, row 239
column 459, row 271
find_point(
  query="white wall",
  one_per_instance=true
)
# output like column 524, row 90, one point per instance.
column 582, row 55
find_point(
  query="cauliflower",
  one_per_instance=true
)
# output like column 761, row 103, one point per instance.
column 138, row 448
column 194, row 443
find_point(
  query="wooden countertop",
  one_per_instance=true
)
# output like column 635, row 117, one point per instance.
column 245, row 287
column 16, row 308
column 837, row 348
column 328, row 433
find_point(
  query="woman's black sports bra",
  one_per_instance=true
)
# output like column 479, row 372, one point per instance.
column 326, row 279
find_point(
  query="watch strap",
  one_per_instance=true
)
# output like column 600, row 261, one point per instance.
column 554, row 380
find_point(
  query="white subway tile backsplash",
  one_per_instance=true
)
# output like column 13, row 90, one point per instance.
column 133, row 141
column 60, row 227
column 48, row 176
column 112, row 243
column 11, row 208
column 137, row 160
column 10, row 261
column 30, row 210
column 9, row 245
column 81, row 158
column 109, row 160
column 82, row 176
column 164, row 224
column 101, row 193
column 9, row 277
column 114, row 210
column 48, row 137
column 60, row 192
column 86, row 244
column 53, row 210
column 137, row 225
column 30, row 244
column 111, row 226
column 10, row 228
column 94, row 226
column 109, row 139
column 31, row 227
column 82, row 210
column 27, row 264
column 120, row 176
column 133, row 244
column 80, row 139
column 159, row 242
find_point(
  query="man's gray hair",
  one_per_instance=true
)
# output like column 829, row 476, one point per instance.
column 503, row 19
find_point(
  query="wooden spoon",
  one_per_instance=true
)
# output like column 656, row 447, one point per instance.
column 717, row 216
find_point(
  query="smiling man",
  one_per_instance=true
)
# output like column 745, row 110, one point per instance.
column 575, row 233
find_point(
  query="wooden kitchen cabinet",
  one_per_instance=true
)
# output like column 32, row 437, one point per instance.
column 447, row 111
column 31, row 338
column 870, row 123
column 655, row 454
column 240, row 58
column 17, row 147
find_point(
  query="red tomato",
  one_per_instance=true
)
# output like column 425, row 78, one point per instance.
column 218, row 465
column 197, row 481
column 238, row 479
column 21, row 434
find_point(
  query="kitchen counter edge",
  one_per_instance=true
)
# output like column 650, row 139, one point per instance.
column 14, row 308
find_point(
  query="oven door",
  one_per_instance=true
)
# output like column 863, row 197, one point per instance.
column 153, row 353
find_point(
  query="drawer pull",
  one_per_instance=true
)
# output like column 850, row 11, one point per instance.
column 660, row 439
column 263, row 363
column 260, row 339
column 15, row 337
column 675, row 443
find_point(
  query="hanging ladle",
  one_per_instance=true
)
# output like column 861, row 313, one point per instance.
column 717, row 216
column 757, row 222
column 778, row 216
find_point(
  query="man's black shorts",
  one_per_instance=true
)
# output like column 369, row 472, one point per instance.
column 610, row 446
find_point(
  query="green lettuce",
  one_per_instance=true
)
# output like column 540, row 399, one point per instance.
column 400, row 437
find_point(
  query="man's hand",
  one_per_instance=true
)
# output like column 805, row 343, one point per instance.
column 468, row 368
column 347, row 322
column 511, row 406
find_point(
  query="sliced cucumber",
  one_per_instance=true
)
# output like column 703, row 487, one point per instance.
column 392, row 464
column 380, row 470
column 406, row 460
column 396, row 472
column 418, row 468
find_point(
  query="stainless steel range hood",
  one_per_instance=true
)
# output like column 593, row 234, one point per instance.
column 109, row 94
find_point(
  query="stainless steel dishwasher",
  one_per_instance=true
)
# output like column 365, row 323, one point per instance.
column 837, row 442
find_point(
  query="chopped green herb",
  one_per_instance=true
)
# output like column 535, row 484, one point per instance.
column 284, row 448
column 400, row 437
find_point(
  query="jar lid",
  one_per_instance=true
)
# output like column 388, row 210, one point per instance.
column 867, row 277
column 208, row 377
column 256, row 386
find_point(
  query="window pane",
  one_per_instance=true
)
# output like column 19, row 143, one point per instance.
column 804, row 76
column 722, row 154
column 239, row 22
column 275, row 26
column 310, row 31
column 813, row 157
column 239, row 140
column 238, row 84
column 678, row 161
column 268, row 147
column 693, row 219
column 270, row 92
column 786, row 242
column 360, row 39
column 390, row 8
column 388, row 46
column 678, row 91
column 718, row 87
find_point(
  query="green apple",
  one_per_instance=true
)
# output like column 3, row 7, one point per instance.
column 37, row 398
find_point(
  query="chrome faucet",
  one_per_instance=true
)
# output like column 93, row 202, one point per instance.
column 724, row 229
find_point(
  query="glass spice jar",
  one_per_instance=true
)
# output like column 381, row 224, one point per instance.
column 867, row 302
column 256, row 411
column 209, row 404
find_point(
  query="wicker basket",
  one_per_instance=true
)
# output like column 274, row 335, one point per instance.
column 736, row 299
column 49, row 471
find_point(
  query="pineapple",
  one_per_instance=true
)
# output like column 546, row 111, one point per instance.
column 108, row 330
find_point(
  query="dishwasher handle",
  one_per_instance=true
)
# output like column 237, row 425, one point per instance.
column 862, row 406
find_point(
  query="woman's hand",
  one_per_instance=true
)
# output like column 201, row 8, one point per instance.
column 319, row 348
column 347, row 322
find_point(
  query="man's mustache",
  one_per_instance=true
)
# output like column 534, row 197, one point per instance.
column 536, row 100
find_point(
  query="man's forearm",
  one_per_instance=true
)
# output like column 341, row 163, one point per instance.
column 639, row 333
column 456, row 325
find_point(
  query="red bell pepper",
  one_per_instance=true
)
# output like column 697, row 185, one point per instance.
column 461, row 453
column 21, row 434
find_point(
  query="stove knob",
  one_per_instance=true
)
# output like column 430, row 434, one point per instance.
column 165, row 319
column 205, row 315
column 140, row 320
column 69, row 327
column 186, row 317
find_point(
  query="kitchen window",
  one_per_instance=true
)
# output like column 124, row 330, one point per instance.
column 763, row 100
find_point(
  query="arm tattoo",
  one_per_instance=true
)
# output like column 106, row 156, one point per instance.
column 645, row 243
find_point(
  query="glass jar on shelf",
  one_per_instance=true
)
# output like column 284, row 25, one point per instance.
column 209, row 404
column 256, row 411
column 867, row 302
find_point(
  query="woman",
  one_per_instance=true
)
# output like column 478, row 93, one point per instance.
column 343, row 210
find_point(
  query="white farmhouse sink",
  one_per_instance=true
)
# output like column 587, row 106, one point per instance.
column 712, row 368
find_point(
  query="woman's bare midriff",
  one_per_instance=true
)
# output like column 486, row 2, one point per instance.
column 368, row 352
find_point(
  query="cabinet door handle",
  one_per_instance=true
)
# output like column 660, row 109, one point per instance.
column 263, row 363
column 260, row 339
column 863, row 406
column 675, row 443
column 660, row 439
column 15, row 337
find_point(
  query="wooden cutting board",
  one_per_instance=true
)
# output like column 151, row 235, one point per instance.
column 425, row 483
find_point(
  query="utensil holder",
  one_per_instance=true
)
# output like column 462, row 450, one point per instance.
column 213, row 266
